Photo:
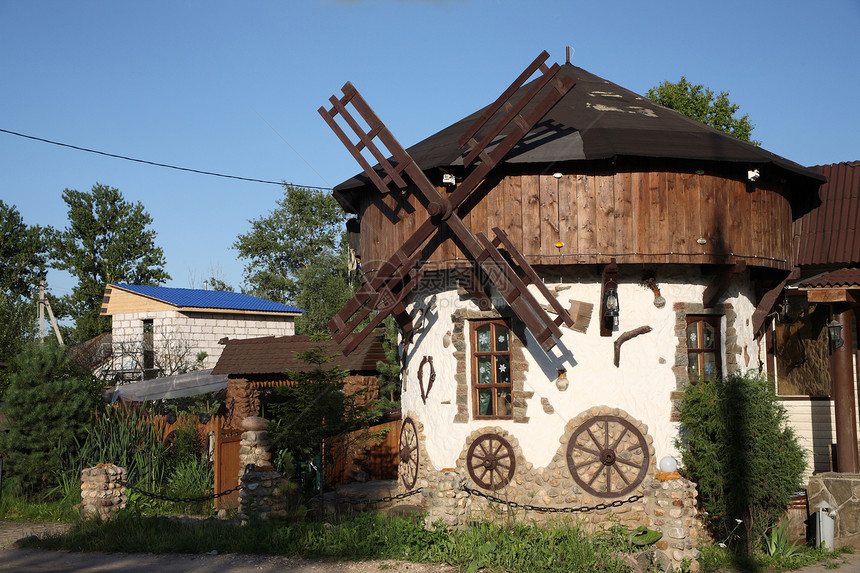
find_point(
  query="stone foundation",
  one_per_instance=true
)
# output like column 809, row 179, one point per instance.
column 666, row 506
column 102, row 492
column 842, row 492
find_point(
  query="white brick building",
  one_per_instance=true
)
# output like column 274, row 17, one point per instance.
column 161, row 331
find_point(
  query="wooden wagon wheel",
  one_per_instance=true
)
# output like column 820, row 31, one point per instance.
column 608, row 456
column 491, row 461
column 408, row 468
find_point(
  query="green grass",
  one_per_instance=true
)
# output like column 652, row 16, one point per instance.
column 364, row 536
column 56, row 505
column 715, row 558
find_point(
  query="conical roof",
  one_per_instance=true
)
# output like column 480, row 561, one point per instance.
column 598, row 119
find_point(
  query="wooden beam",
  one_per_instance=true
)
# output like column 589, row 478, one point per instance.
column 768, row 301
column 830, row 295
column 721, row 283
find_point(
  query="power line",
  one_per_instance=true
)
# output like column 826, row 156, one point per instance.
column 159, row 164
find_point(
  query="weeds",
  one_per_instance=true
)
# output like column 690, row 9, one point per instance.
column 364, row 536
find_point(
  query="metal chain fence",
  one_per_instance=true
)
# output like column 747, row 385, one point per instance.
column 158, row 496
column 541, row 509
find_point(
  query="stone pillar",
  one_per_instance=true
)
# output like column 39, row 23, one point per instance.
column 102, row 492
column 243, row 401
column 671, row 509
column 260, row 496
column 445, row 499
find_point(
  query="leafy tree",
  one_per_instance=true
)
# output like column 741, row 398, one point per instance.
column 324, row 288
column 699, row 102
column 23, row 253
column 297, row 255
column 23, row 262
column 313, row 408
column 737, row 446
column 108, row 240
column 47, row 405
column 218, row 284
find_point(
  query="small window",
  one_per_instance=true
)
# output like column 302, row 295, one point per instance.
column 703, row 348
column 491, row 369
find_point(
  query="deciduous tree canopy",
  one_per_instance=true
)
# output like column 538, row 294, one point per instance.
column 23, row 262
column 297, row 255
column 108, row 240
column 699, row 102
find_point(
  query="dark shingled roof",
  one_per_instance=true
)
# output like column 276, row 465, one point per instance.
column 829, row 234
column 277, row 354
column 597, row 119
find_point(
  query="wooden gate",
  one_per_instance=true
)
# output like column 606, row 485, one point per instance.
column 226, row 463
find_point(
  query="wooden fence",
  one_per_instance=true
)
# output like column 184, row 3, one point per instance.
column 374, row 451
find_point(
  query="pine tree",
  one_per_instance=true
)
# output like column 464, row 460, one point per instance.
column 47, row 407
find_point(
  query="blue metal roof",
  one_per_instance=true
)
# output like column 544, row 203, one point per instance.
column 197, row 298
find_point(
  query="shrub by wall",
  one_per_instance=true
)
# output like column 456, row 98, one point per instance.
column 736, row 444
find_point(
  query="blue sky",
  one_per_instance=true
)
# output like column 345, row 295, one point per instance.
column 233, row 87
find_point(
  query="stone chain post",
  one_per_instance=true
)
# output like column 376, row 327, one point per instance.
column 102, row 492
column 260, row 496
column 671, row 509
column 445, row 499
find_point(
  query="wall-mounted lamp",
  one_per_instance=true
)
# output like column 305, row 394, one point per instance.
column 610, row 305
column 753, row 174
column 834, row 329
column 609, row 299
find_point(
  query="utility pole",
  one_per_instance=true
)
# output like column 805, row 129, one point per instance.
column 43, row 304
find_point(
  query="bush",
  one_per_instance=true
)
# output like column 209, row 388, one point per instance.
column 737, row 447
column 48, row 405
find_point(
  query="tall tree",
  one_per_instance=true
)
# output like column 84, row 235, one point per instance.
column 23, row 253
column 297, row 254
column 23, row 262
column 48, row 404
column 699, row 102
column 108, row 240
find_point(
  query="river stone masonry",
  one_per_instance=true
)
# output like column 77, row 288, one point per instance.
column 103, row 492
column 667, row 506
column 260, row 496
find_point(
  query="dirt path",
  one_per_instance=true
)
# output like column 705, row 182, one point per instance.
column 14, row 559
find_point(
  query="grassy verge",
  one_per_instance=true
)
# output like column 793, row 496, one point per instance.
column 715, row 558
column 517, row 548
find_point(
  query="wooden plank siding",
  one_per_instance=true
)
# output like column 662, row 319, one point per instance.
column 633, row 216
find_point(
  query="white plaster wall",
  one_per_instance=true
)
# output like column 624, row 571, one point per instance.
column 641, row 385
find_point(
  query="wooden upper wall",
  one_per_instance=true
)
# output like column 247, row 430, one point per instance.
column 632, row 216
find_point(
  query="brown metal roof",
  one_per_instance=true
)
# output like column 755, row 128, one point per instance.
column 597, row 120
column 830, row 233
column 277, row 354
column 843, row 278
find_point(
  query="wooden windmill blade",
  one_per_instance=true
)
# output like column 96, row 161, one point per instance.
column 398, row 276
